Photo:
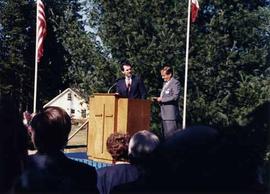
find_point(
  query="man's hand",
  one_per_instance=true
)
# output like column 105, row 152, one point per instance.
column 156, row 99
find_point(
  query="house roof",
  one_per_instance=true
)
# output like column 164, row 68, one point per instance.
column 62, row 94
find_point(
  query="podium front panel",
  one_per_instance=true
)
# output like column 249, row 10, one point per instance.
column 102, row 124
column 109, row 114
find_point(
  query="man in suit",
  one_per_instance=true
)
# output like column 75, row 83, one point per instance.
column 168, row 101
column 130, row 86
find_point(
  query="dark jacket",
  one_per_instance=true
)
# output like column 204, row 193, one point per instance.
column 111, row 176
column 45, row 173
column 137, row 90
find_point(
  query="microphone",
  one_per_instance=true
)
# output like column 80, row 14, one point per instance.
column 109, row 90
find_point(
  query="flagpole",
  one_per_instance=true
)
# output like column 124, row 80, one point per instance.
column 36, row 63
column 186, row 66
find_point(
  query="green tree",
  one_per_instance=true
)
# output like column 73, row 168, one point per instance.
column 84, row 55
column 230, row 57
column 229, row 45
column 17, row 49
column 147, row 33
column 54, row 64
column 144, row 32
column 69, row 54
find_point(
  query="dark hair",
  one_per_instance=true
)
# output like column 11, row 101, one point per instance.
column 124, row 62
column 167, row 69
column 117, row 146
column 51, row 129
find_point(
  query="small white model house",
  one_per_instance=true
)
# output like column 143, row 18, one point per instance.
column 72, row 103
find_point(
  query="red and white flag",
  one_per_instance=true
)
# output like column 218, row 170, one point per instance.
column 41, row 29
column 194, row 10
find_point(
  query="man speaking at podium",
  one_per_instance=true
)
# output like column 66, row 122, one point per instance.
column 130, row 86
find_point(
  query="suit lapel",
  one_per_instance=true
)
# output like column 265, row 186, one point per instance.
column 132, row 83
column 124, row 85
column 168, row 86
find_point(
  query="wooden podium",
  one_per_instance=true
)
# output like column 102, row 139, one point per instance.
column 109, row 114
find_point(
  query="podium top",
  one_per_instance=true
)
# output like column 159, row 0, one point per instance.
column 118, row 97
column 104, row 94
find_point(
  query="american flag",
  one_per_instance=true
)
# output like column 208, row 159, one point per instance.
column 194, row 10
column 41, row 29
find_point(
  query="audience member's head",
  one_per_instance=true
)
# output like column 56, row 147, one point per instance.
column 117, row 146
column 189, row 158
column 195, row 137
column 246, row 146
column 13, row 143
column 50, row 129
column 141, row 145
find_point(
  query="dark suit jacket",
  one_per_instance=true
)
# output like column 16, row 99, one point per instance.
column 137, row 89
column 111, row 176
column 55, row 173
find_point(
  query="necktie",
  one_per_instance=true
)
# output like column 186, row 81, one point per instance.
column 128, row 84
column 163, row 88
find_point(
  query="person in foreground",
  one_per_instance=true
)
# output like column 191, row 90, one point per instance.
column 141, row 150
column 130, row 86
column 122, row 171
column 13, row 143
column 168, row 101
column 49, row 170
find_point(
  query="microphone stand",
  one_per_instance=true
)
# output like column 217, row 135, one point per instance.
column 111, row 87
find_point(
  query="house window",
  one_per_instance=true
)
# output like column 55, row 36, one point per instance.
column 69, row 97
column 83, row 113
column 72, row 111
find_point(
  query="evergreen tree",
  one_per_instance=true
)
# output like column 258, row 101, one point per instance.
column 228, row 59
column 83, row 57
column 70, row 55
column 146, row 32
column 17, row 49
column 68, row 50
column 53, row 65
